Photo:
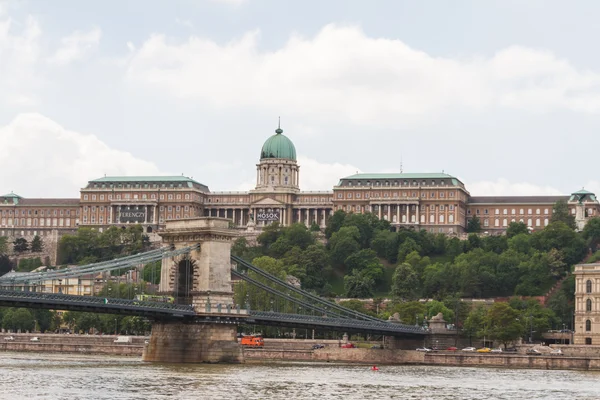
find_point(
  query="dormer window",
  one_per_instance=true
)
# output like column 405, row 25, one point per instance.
column 387, row 183
column 424, row 183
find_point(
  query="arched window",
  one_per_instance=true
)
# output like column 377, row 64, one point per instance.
column 588, row 286
column 588, row 305
column 588, row 325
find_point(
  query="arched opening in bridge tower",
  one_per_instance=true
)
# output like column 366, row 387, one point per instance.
column 185, row 280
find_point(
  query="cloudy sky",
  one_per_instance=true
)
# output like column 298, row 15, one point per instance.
column 503, row 94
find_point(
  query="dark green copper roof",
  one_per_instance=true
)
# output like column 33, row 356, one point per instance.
column 278, row 146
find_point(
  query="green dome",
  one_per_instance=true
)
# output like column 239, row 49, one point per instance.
column 278, row 146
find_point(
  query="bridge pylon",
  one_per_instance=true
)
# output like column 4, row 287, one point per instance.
column 201, row 278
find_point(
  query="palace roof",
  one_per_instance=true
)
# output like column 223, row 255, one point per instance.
column 176, row 181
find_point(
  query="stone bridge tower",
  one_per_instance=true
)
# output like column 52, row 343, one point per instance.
column 201, row 278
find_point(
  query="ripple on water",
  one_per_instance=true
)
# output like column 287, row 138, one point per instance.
column 48, row 376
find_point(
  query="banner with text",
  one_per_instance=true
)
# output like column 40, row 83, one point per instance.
column 267, row 215
column 132, row 216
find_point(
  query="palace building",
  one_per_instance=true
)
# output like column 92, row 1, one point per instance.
column 436, row 202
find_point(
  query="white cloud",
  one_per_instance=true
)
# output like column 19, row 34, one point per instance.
column 502, row 187
column 19, row 54
column 315, row 175
column 230, row 2
column 341, row 73
column 76, row 46
column 38, row 157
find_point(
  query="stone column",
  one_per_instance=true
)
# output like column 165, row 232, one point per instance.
column 323, row 222
column 417, row 218
column 379, row 208
column 299, row 215
column 316, row 216
column 407, row 213
column 257, row 176
column 389, row 213
column 155, row 214
column 306, row 221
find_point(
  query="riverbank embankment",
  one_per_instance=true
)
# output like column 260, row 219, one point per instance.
column 574, row 358
column 74, row 344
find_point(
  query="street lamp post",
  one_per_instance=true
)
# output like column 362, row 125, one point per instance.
column 115, row 326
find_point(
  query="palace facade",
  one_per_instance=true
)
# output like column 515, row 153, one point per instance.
column 436, row 202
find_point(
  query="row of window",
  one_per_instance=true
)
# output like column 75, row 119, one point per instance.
column 40, row 213
column 136, row 196
column 136, row 185
column 497, row 211
column 358, row 195
column 530, row 222
column 28, row 233
column 41, row 222
column 403, row 182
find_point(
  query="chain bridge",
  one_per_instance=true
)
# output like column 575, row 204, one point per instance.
column 201, row 325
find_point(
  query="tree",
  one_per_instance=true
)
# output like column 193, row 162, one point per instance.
column 474, row 324
column 503, row 323
column 560, row 213
column 407, row 247
column 365, row 261
column 44, row 319
column 359, row 285
column 435, row 307
column 343, row 243
column 405, row 283
column 411, row 312
column 591, row 232
column 151, row 272
column 3, row 245
column 516, row 228
column 20, row 245
column 37, row 244
column 474, row 225
column 385, row 243
column 335, row 223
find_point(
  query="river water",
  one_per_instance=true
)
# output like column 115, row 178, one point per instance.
column 49, row 376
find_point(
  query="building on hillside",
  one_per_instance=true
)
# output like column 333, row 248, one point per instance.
column 497, row 212
column 82, row 286
column 152, row 200
column 587, row 304
column 29, row 217
column 436, row 202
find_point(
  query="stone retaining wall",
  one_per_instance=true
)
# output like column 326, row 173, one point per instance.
column 39, row 347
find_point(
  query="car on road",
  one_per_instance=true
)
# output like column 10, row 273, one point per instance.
column 469, row 349
column 451, row 348
column 557, row 352
column 424, row 349
column 484, row 350
column 34, row 339
column 510, row 350
column 318, row 346
column 9, row 338
column 533, row 352
column 497, row 350
column 348, row 346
